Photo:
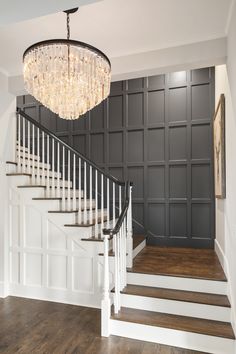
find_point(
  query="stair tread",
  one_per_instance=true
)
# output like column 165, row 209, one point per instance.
column 177, row 295
column 137, row 239
column 87, row 224
column 95, row 239
column 181, row 323
column 43, row 186
column 68, row 211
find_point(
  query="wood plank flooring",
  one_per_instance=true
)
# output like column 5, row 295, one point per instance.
column 40, row 327
column 178, row 295
column 137, row 239
column 179, row 262
column 182, row 323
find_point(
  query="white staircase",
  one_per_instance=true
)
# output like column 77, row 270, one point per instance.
column 71, row 241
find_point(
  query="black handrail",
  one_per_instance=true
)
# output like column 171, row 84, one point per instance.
column 123, row 213
column 52, row 135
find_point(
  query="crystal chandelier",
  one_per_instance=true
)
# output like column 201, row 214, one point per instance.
column 67, row 76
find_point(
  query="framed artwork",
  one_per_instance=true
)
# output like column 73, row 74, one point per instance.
column 219, row 148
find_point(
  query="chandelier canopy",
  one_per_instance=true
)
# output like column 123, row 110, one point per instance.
column 67, row 76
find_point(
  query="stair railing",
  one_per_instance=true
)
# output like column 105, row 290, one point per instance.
column 121, row 234
column 66, row 174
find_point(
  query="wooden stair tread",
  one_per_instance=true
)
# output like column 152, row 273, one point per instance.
column 42, row 186
column 68, row 211
column 177, row 295
column 56, row 198
column 19, row 174
column 181, row 323
column 96, row 239
column 137, row 239
column 179, row 262
column 86, row 225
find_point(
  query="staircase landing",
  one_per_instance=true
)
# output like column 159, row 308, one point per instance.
column 179, row 262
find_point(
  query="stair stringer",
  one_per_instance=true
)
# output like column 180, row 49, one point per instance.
column 49, row 261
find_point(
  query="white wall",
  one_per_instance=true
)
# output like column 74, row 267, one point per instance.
column 225, row 209
column 7, row 120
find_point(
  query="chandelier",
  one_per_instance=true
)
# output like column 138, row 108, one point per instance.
column 67, row 76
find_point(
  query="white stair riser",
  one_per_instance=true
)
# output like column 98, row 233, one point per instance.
column 28, row 180
column 181, row 308
column 36, row 165
column 178, row 283
column 32, row 157
column 72, row 218
column 181, row 339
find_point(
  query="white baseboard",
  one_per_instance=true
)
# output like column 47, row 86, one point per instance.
column 225, row 265
column 3, row 290
column 176, row 338
column 55, row 295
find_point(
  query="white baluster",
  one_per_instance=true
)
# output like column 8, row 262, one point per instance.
column 108, row 204
column 74, row 182
column 58, row 169
column 113, row 205
column 130, row 231
column 19, row 142
column 53, row 169
column 85, row 193
column 28, row 133
column 125, row 251
column 90, row 195
column 118, row 269
column 43, row 158
column 96, row 203
column 63, row 179
column 116, row 300
column 68, row 184
column 33, row 153
column 38, row 158
column 79, row 209
column 102, row 203
column 48, row 168
column 23, row 145
column 106, row 303
column 120, row 205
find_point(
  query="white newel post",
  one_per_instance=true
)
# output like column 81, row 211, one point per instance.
column 106, row 303
column 130, row 232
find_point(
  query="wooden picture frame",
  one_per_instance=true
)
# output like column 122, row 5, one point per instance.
column 219, row 149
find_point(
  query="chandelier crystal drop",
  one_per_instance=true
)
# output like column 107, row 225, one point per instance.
column 68, row 77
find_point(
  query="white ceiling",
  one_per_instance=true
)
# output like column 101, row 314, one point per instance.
column 121, row 27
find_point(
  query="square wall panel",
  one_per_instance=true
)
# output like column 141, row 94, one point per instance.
column 115, row 112
column 201, row 181
column 135, row 174
column 117, row 172
column 116, row 86
column 32, row 112
column 15, row 225
column 97, row 117
column 156, row 182
column 80, row 124
column 178, row 220
column 135, row 146
column 97, row 148
column 48, row 119
column 79, row 143
column 178, row 181
column 56, row 238
column 156, row 107
column 57, row 271
column 201, row 102
column 201, row 141
column 178, row 104
column 200, row 75
column 33, row 269
column 135, row 109
column 81, row 282
column 156, row 219
column 115, row 147
column 62, row 125
column 177, row 77
column 178, row 143
column 201, row 220
column 15, row 267
column 156, row 82
column 156, row 144
column 135, row 84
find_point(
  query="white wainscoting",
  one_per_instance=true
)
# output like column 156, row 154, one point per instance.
column 47, row 260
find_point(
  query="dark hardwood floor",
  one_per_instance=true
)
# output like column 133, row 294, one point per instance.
column 180, row 262
column 41, row 327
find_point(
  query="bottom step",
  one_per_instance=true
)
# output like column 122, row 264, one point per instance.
column 191, row 333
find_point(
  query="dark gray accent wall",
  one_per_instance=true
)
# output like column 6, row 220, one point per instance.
column 156, row 131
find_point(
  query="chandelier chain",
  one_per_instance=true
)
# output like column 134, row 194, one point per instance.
column 68, row 25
